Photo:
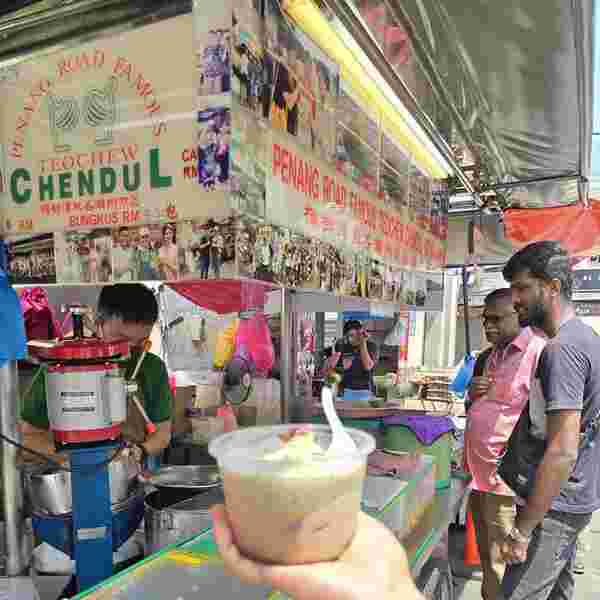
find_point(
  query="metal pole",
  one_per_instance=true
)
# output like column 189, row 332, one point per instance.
column 286, row 355
column 319, row 334
column 292, row 407
column 12, row 488
column 465, row 281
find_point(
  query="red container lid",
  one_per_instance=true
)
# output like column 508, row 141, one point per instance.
column 80, row 349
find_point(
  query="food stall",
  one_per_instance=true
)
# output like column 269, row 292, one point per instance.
column 308, row 146
column 212, row 172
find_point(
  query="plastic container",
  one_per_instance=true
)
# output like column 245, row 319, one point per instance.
column 399, row 439
column 285, row 511
column 398, row 490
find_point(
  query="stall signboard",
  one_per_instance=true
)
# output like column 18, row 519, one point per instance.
column 331, row 171
column 240, row 152
column 100, row 135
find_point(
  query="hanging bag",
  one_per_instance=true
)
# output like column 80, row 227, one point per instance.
column 524, row 453
column 40, row 323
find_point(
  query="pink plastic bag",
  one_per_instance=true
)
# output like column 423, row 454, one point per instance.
column 40, row 321
column 254, row 339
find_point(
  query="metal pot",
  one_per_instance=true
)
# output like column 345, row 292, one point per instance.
column 183, row 477
column 49, row 488
column 176, row 523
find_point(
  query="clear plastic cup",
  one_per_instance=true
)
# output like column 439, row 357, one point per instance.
column 287, row 512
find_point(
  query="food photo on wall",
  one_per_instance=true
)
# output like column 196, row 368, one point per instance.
column 247, row 71
column 248, row 189
column 207, row 249
column 248, row 164
column 258, row 250
column 31, row 260
column 146, row 253
column 275, row 254
column 376, row 280
column 420, row 198
column 330, row 267
column 300, row 85
column 83, row 256
column 356, row 160
column 213, row 141
column 214, row 62
column 394, row 175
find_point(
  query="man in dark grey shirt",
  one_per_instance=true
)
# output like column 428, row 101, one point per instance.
column 564, row 399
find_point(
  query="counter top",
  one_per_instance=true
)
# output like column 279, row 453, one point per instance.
column 187, row 567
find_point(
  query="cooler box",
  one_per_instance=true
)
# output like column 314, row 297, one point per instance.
column 422, row 434
column 398, row 490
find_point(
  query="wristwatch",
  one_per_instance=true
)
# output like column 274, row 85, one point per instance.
column 516, row 535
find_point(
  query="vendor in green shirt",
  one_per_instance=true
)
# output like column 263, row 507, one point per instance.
column 126, row 311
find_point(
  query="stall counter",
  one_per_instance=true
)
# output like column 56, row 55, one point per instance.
column 182, row 571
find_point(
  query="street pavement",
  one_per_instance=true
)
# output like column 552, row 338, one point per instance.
column 467, row 582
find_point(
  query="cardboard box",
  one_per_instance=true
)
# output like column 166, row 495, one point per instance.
column 183, row 398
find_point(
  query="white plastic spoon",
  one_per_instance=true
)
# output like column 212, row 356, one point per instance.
column 341, row 441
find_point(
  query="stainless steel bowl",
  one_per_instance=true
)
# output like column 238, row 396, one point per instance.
column 192, row 477
column 49, row 488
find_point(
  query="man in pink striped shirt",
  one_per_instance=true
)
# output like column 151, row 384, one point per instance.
column 497, row 395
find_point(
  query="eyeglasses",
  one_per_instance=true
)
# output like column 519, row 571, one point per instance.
column 495, row 319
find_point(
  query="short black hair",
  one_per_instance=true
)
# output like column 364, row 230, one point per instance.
column 352, row 324
column 545, row 260
column 131, row 302
column 499, row 295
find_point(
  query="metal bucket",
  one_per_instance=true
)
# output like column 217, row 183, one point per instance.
column 58, row 530
column 166, row 525
column 49, row 489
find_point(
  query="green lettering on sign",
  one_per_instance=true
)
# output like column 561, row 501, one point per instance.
column 158, row 181
column 108, row 180
column 46, row 188
column 85, row 182
column 64, row 186
column 18, row 176
column 132, row 186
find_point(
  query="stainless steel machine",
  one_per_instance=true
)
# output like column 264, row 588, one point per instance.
column 87, row 397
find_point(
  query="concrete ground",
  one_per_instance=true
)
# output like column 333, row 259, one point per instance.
column 467, row 583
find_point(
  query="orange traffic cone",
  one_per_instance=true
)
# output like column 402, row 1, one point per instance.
column 471, row 558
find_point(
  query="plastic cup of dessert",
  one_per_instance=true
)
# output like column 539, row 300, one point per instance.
column 291, row 511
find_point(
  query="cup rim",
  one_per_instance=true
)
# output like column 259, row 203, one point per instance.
column 217, row 448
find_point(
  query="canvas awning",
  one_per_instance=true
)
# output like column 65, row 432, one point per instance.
column 516, row 79
column 509, row 82
column 225, row 296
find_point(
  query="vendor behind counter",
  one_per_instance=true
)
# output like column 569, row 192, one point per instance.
column 126, row 311
column 354, row 357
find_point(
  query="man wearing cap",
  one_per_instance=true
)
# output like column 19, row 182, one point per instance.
column 355, row 357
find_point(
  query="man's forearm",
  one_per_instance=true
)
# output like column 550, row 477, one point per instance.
column 365, row 357
column 42, row 442
column 159, row 440
column 552, row 474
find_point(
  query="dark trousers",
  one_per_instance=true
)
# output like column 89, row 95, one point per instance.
column 547, row 574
